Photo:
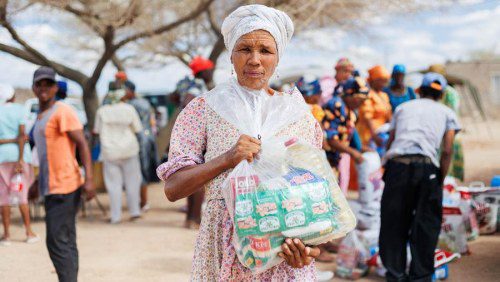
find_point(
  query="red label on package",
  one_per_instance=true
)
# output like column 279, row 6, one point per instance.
column 260, row 244
column 244, row 184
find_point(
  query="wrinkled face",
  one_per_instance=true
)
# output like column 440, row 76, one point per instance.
column 255, row 57
column 342, row 74
column 45, row 90
column 379, row 83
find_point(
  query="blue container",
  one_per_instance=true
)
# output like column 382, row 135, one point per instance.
column 495, row 181
column 440, row 273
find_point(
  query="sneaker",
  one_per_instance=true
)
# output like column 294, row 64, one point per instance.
column 324, row 275
column 135, row 218
column 443, row 257
column 32, row 239
column 145, row 208
column 5, row 242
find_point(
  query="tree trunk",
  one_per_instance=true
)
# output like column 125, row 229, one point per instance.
column 90, row 102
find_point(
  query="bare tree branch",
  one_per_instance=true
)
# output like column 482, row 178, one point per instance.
column 61, row 69
column 117, row 63
column 195, row 13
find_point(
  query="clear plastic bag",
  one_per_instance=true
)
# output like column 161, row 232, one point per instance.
column 352, row 257
column 16, row 186
column 289, row 191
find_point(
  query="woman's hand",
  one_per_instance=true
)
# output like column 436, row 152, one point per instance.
column 19, row 166
column 245, row 149
column 357, row 156
column 378, row 140
column 296, row 254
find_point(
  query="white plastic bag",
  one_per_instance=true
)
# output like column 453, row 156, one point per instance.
column 370, row 180
column 486, row 207
column 289, row 191
column 453, row 236
column 352, row 257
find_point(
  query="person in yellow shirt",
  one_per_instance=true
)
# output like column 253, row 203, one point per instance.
column 376, row 110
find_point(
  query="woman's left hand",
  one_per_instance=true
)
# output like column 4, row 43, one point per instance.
column 19, row 166
column 296, row 254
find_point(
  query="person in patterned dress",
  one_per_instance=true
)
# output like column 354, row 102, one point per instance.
column 339, row 125
column 205, row 147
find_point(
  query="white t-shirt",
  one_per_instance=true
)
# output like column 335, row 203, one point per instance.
column 419, row 127
column 117, row 125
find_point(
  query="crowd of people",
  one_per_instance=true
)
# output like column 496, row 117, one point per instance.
column 410, row 130
column 124, row 136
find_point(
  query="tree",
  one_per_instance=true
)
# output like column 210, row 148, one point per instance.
column 152, row 32
column 202, row 35
column 117, row 23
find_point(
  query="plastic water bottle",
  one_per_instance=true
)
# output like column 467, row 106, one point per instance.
column 16, row 186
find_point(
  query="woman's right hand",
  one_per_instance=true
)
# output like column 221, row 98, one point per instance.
column 358, row 156
column 246, row 148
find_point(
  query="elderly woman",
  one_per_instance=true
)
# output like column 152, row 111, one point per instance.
column 204, row 148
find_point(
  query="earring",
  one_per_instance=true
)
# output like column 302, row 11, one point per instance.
column 232, row 71
column 277, row 74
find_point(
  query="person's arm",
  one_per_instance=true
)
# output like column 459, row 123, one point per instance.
column 373, row 132
column 78, row 138
column 189, row 179
column 392, row 135
column 446, row 153
column 339, row 146
column 7, row 141
column 21, row 140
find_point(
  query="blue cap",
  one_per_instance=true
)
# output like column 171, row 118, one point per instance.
column 434, row 80
column 399, row 69
column 355, row 85
column 63, row 86
column 309, row 85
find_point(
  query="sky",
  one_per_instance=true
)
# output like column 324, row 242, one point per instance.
column 416, row 40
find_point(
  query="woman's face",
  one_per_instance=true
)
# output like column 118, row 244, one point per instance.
column 353, row 102
column 342, row 74
column 255, row 58
column 379, row 83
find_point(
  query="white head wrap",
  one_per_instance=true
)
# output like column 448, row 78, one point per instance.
column 6, row 93
column 249, row 18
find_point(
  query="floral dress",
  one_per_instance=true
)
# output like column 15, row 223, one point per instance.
column 201, row 135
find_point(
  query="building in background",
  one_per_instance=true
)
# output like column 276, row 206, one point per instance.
column 484, row 75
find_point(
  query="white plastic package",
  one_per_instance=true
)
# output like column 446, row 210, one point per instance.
column 453, row 236
column 352, row 257
column 289, row 191
column 370, row 180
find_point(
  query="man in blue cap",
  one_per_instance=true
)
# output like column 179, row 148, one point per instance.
column 398, row 92
column 411, row 208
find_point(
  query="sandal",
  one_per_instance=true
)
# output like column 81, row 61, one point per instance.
column 32, row 239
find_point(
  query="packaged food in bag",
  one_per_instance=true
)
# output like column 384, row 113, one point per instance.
column 303, row 202
column 453, row 236
column 352, row 257
column 486, row 206
column 370, row 180
column 289, row 190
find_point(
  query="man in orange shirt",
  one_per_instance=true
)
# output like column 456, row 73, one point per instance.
column 57, row 133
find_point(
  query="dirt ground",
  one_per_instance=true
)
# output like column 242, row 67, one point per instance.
column 158, row 248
